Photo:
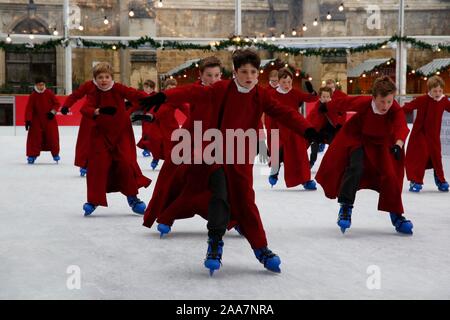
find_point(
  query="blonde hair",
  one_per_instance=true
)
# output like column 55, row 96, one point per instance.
column 170, row 82
column 434, row 82
column 102, row 67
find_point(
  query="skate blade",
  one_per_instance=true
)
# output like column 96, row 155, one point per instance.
column 343, row 230
column 211, row 272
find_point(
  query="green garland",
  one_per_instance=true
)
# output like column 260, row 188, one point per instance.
column 233, row 42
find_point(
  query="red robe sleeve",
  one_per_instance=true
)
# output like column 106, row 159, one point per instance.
column 347, row 103
column 447, row 105
column 190, row 93
column 88, row 109
column 305, row 97
column 401, row 129
column 53, row 100
column 288, row 117
column 78, row 94
column 412, row 105
column 30, row 107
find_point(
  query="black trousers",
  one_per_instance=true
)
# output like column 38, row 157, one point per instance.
column 328, row 133
column 352, row 177
column 218, row 207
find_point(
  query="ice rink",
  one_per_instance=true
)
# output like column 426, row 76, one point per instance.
column 43, row 234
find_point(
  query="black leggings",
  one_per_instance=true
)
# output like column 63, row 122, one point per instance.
column 352, row 177
column 218, row 207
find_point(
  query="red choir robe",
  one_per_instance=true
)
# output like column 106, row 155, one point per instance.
column 43, row 134
column 424, row 146
column 86, row 124
column 295, row 155
column 112, row 162
column 334, row 117
column 231, row 109
column 376, row 134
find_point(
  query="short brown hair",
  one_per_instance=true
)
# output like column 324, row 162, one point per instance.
column 150, row 83
column 325, row 89
column 383, row 86
column 273, row 73
column 102, row 67
column 170, row 82
column 209, row 62
column 434, row 82
column 329, row 81
column 245, row 56
column 284, row 73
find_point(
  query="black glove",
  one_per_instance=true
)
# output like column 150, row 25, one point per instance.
column 396, row 150
column 108, row 110
column 311, row 135
column 128, row 104
column 338, row 127
column 323, row 107
column 27, row 125
column 64, row 110
column 50, row 115
column 142, row 117
column 310, row 88
column 151, row 101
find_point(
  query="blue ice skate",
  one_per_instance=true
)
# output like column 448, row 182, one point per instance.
column 401, row 224
column 273, row 179
column 83, row 172
column 415, row 187
column 269, row 259
column 88, row 209
column 31, row 160
column 154, row 163
column 310, row 185
column 345, row 217
column 442, row 186
column 213, row 259
column 163, row 229
column 136, row 204
column 146, row 153
column 321, row 147
column 56, row 158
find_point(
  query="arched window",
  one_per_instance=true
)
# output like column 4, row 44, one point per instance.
column 23, row 67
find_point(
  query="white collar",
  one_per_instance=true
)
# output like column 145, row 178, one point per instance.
column 270, row 84
column 242, row 89
column 282, row 91
column 39, row 91
column 375, row 110
column 96, row 84
column 439, row 99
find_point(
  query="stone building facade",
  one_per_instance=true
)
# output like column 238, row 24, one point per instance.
column 208, row 19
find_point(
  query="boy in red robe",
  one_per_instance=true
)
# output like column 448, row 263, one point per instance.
column 112, row 162
column 170, row 200
column 237, row 104
column 367, row 154
column 424, row 146
column 149, row 89
column 292, row 148
column 86, row 124
column 40, row 122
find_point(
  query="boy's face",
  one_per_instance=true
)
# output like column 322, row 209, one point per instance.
column 325, row 97
column 285, row 83
column 40, row 86
column 436, row 92
column 246, row 76
column 148, row 89
column 331, row 85
column 210, row 75
column 104, row 80
column 273, row 81
column 383, row 104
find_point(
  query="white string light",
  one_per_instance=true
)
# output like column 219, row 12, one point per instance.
column 8, row 39
column 315, row 23
column 105, row 21
column 131, row 13
column 160, row 4
column 341, row 7
column 304, row 28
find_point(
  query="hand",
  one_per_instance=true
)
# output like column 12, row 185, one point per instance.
column 310, row 88
column 262, row 152
column 142, row 117
column 148, row 103
column 396, row 150
column 27, row 125
column 50, row 115
column 311, row 134
column 64, row 110
column 323, row 107
column 108, row 110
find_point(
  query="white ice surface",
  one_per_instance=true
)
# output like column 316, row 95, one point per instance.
column 43, row 232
